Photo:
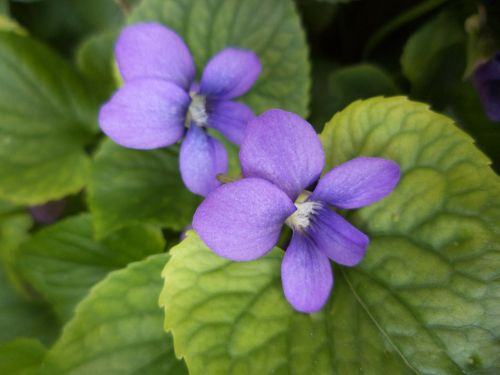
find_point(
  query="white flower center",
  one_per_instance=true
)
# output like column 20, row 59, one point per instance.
column 301, row 218
column 198, row 110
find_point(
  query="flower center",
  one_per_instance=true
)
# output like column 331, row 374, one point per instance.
column 198, row 110
column 301, row 218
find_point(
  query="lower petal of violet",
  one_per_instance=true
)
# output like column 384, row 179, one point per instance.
column 201, row 159
column 230, row 119
column 145, row 114
column 306, row 275
column 337, row 238
column 242, row 220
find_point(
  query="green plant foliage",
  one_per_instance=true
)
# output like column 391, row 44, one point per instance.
column 346, row 85
column 21, row 357
column 133, row 187
column 277, row 37
column 423, row 299
column 63, row 261
column 433, row 59
column 469, row 111
column 94, row 59
column 21, row 317
column 14, row 225
column 116, row 330
column 47, row 119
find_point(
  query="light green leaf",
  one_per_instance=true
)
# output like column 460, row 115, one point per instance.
column 21, row 317
column 271, row 28
column 63, row 261
column 46, row 119
column 434, row 59
column 21, row 357
column 117, row 328
column 14, row 225
column 132, row 187
column 423, row 301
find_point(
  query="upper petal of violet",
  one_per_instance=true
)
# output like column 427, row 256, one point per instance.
column 357, row 182
column 283, row 148
column 201, row 159
column 145, row 114
column 242, row 220
column 230, row 73
column 306, row 275
column 230, row 119
column 150, row 50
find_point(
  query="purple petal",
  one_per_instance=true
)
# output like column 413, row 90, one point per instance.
column 337, row 238
column 145, row 114
column 230, row 118
column 283, row 148
column 486, row 79
column 150, row 50
column 358, row 182
column 242, row 220
column 306, row 275
column 201, row 159
column 230, row 73
column 49, row 212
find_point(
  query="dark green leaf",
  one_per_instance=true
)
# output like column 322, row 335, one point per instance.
column 131, row 187
column 63, row 261
column 46, row 119
column 117, row 328
column 21, row 357
column 434, row 59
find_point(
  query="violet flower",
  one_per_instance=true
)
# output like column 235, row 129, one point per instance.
column 160, row 99
column 486, row 79
column 48, row 213
column 281, row 156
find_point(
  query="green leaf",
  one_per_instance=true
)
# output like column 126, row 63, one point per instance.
column 15, row 223
column 423, row 300
column 131, row 187
column 434, row 59
column 21, row 317
column 46, row 119
column 345, row 85
column 271, row 28
column 63, row 261
column 94, row 59
column 117, row 328
column 470, row 113
column 21, row 357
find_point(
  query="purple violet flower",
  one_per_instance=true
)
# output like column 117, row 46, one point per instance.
column 49, row 212
column 160, row 99
column 486, row 79
column 281, row 156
